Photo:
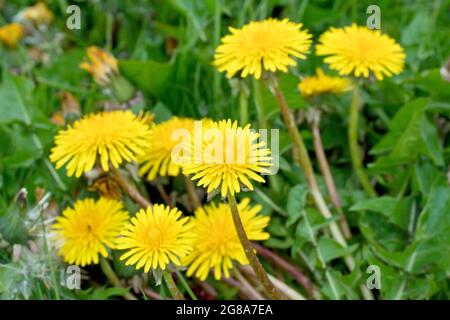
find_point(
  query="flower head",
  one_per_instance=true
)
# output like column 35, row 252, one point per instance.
column 322, row 84
column 269, row 44
column 226, row 156
column 157, row 157
column 38, row 14
column 217, row 244
column 360, row 51
column 113, row 137
column 102, row 65
column 155, row 237
column 88, row 229
column 11, row 34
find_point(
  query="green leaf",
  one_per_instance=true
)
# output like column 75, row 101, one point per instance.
column 296, row 203
column 278, row 243
column 410, row 134
column 396, row 210
column 331, row 249
column 432, row 82
column 149, row 76
column 435, row 218
column 64, row 73
column 12, row 225
column 161, row 112
column 9, row 275
column 15, row 99
column 101, row 293
column 21, row 148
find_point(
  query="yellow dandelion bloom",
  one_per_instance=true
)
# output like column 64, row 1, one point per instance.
column 11, row 34
column 262, row 45
column 217, row 244
column 101, row 65
column 360, row 51
column 226, row 156
column 157, row 157
column 156, row 237
column 113, row 137
column 322, row 84
column 38, row 14
column 86, row 231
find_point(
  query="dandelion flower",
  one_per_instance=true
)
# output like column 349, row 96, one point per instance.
column 11, row 34
column 226, row 157
column 157, row 157
column 360, row 51
column 38, row 14
column 269, row 44
column 88, row 229
column 113, row 137
column 155, row 237
column 101, row 65
column 217, row 244
column 322, row 84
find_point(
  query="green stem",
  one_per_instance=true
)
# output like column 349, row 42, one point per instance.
column 131, row 190
column 326, row 172
column 262, row 124
column 258, row 100
column 216, row 75
column 353, row 143
column 261, row 274
column 186, row 286
column 113, row 278
column 243, row 103
column 190, row 188
column 302, row 158
column 109, row 30
column 172, row 286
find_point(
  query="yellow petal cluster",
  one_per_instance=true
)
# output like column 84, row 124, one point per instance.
column 84, row 232
column 163, row 138
column 262, row 45
column 11, row 34
column 38, row 14
column 217, row 245
column 111, row 137
column 156, row 237
column 101, row 65
column 322, row 84
column 359, row 51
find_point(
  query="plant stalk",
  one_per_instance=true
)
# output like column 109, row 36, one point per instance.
column 132, row 191
column 171, row 285
column 288, row 267
column 190, row 188
column 261, row 274
column 353, row 143
column 248, row 289
column 302, row 158
column 326, row 172
column 114, row 279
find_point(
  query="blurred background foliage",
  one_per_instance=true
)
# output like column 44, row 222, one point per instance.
column 165, row 49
